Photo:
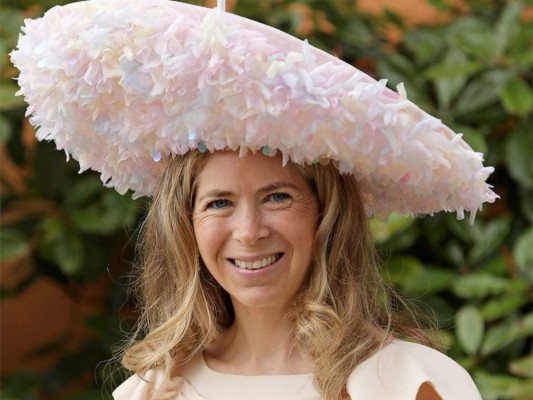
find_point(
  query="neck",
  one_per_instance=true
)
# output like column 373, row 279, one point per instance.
column 260, row 342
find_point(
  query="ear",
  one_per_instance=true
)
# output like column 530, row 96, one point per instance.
column 427, row 391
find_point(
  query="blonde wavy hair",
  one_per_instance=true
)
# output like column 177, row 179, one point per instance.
column 343, row 313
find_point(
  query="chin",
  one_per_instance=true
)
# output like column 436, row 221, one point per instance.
column 259, row 300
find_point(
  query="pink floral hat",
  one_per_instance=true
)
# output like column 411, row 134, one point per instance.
column 124, row 85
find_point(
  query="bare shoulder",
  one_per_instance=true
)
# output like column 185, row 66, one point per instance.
column 404, row 370
column 153, row 384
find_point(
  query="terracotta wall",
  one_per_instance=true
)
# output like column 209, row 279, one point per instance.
column 39, row 315
column 413, row 11
column 44, row 312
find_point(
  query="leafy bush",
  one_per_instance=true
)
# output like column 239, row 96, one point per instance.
column 474, row 73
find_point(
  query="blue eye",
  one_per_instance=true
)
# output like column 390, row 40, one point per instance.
column 218, row 204
column 279, row 197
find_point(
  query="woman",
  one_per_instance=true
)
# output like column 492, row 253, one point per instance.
column 264, row 271
column 258, row 279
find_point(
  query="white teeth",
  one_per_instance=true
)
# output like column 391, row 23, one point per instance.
column 257, row 263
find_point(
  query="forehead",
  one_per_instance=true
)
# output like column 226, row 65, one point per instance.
column 227, row 167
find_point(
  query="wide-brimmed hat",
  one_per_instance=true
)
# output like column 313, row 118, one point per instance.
column 122, row 86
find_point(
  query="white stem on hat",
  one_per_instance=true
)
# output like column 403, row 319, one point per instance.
column 221, row 4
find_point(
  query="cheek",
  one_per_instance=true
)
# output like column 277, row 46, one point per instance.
column 303, row 225
column 208, row 237
column 200, row 235
column 306, row 237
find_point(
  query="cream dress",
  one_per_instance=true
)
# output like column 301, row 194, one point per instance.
column 393, row 373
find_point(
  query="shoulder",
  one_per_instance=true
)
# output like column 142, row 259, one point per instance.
column 150, row 386
column 399, row 369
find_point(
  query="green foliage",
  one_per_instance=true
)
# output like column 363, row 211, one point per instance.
column 62, row 226
column 474, row 73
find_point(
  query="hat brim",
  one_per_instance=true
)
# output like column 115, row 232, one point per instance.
column 123, row 86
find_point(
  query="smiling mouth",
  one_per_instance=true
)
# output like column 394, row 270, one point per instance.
column 256, row 264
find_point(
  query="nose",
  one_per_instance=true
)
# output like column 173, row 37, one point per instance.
column 249, row 225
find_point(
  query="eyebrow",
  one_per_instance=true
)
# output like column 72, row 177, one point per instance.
column 278, row 185
column 214, row 194
column 224, row 193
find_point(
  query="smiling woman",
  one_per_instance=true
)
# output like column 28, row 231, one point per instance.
column 254, row 223
column 254, row 271
column 265, row 156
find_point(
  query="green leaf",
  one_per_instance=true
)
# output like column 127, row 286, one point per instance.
column 524, row 326
column 4, row 58
column 454, row 65
column 526, row 205
column 520, row 46
column 401, row 241
column 19, row 385
column 477, row 285
column 11, row 19
column 496, row 265
column 503, row 306
column 61, row 246
column 397, row 233
column 444, row 311
column 497, row 338
column 523, row 254
column 517, row 97
column 426, row 45
column 398, row 68
column 495, row 386
column 392, row 17
column 474, row 36
column 494, row 233
column 484, row 90
column 522, row 59
column 401, row 67
column 356, row 33
column 5, row 130
column 522, row 367
column 484, row 238
column 519, row 153
column 507, row 25
column 454, row 253
column 470, row 329
column 13, row 244
column 440, row 4
column 400, row 269
column 394, row 225
column 105, row 216
column 451, row 75
column 8, row 100
column 69, row 254
column 503, row 334
column 85, row 191
column 466, row 232
column 429, row 281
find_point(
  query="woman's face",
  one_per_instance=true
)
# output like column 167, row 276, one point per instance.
column 254, row 223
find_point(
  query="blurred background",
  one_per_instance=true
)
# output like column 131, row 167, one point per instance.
column 67, row 244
